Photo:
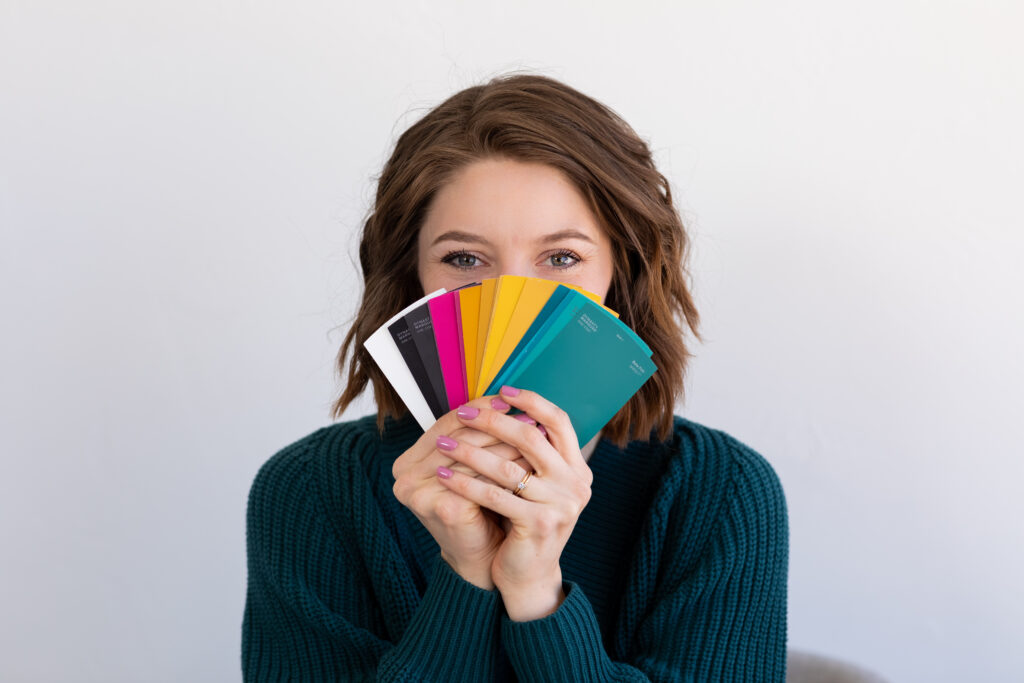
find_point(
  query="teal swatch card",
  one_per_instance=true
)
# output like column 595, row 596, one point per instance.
column 586, row 361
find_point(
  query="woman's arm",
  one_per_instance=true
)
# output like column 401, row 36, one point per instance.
column 716, row 616
column 722, row 619
column 332, row 600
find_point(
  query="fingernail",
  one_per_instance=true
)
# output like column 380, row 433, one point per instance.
column 498, row 404
column 467, row 412
column 509, row 391
column 523, row 417
column 542, row 430
column 446, row 444
column 444, row 473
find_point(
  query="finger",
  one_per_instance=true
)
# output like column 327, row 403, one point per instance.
column 485, row 462
column 560, row 431
column 502, row 450
column 521, row 461
column 533, row 445
column 486, row 496
column 483, row 439
column 452, row 420
column 475, row 437
column 427, row 469
column 446, row 424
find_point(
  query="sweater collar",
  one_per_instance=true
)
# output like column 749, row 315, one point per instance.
column 398, row 435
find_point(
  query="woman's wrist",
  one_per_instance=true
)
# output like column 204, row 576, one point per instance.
column 536, row 600
column 479, row 576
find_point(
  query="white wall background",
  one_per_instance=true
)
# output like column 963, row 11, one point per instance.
column 181, row 185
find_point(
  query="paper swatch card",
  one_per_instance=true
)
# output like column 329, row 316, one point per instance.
column 589, row 366
column 541, row 335
column 487, row 288
column 431, row 381
column 444, row 313
column 469, row 308
column 381, row 346
column 506, row 296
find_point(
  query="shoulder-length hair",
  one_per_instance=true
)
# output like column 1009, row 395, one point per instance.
column 533, row 118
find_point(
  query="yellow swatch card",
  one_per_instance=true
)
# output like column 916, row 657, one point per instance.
column 590, row 295
column 535, row 294
column 487, row 288
column 469, row 307
column 506, row 296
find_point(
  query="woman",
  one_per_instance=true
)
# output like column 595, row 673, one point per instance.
column 494, row 547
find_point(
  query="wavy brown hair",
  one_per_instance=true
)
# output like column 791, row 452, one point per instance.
column 533, row 118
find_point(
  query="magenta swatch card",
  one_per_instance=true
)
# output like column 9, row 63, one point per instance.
column 462, row 343
column 444, row 311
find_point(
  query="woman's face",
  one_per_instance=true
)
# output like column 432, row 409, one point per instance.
column 501, row 217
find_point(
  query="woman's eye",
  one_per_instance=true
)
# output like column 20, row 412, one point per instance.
column 461, row 259
column 564, row 259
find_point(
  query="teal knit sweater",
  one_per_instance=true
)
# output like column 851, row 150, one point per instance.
column 675, row 571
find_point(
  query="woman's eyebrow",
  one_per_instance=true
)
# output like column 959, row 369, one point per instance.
column 566, row 235
column 459, row 236
column 462, row 236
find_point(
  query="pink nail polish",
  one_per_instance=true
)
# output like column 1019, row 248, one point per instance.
column 467, row 412
column 498, row 404
column 446, row 443
column 444, row 473
column 542, row 430
column 509, row 391
column 523, row 417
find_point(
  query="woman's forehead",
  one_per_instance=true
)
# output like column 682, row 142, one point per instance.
column 498, row 200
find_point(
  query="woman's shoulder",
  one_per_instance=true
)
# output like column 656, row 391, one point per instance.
column 335, row 436
column 705, row 447
column 332, row 451
column 714, row 467
column 716, row 486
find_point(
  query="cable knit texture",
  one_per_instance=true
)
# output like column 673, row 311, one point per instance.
column 676, row 571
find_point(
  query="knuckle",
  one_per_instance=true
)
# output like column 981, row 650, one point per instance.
column 539, row 441
column 587, row 476
column 580, row 499
column 493, row 494
column 465, row 460
column 546, row 522
column 405, row 489
column 506, row 452
column 418, row 500
column 469, row 436
column 446, row 510
column 585, row 495
column 487, row 418
column 570, row 509
column 445, row 424
column 509, row 470
column 561, row 415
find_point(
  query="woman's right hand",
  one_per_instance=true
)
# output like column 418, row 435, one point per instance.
column 469, row 536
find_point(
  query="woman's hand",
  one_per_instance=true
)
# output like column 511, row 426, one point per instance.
column 525, row 567
column 468, row 536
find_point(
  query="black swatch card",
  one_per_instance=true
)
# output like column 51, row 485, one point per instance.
column 407, row 347
column 421, row 325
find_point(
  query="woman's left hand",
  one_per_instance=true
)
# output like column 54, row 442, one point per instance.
column 540, row 519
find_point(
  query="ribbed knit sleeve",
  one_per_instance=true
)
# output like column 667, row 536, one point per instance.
column 707, row 590
column 314, row 612
column 452, row 637
column 563, row 646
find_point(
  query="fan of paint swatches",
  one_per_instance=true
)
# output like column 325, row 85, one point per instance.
column 554, row 339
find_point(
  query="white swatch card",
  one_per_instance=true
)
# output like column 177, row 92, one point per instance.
column 382, row 347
